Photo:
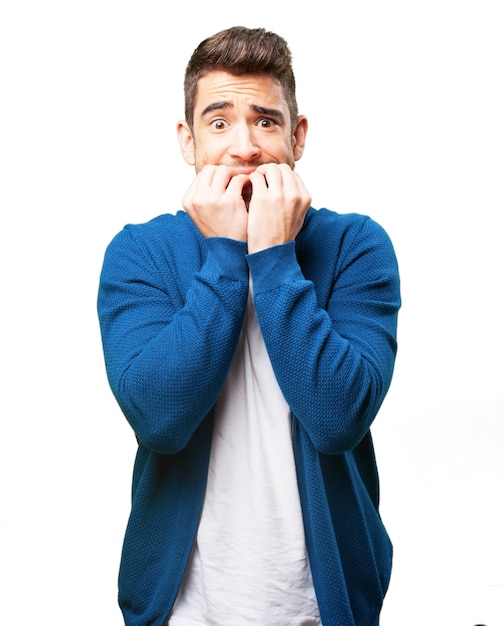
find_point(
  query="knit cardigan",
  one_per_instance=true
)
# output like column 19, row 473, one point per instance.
column 171, row 305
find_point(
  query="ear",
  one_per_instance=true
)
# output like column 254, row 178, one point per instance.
column 186, row 142
column 299, row 137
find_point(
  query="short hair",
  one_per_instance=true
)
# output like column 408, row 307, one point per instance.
column 239, row 50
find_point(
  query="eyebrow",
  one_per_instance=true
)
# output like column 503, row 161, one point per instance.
column 219, row 106
column 269, row 112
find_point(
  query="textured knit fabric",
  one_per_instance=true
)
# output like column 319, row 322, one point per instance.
column 171, row 305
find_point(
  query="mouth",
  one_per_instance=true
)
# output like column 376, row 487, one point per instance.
column 247, row 193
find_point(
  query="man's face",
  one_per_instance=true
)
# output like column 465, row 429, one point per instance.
column 242, row 122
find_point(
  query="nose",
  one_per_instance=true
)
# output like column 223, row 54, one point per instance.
column 243, row 144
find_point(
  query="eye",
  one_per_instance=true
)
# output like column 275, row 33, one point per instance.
column 218, row 124
column 266, row 122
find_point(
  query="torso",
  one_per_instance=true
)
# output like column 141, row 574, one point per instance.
column 249, row 564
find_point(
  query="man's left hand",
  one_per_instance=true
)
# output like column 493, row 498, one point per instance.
column 277, row 208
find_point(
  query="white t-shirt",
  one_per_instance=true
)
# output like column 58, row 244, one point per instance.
column 249, row 565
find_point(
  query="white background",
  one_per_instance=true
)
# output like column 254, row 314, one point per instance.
column 405, row 102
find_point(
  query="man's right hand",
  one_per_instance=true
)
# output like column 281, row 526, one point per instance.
column 215, row 204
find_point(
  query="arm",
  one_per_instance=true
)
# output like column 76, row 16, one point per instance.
column 333, row 364
column 170, row 329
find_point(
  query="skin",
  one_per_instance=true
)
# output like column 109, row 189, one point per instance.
column 244, row 150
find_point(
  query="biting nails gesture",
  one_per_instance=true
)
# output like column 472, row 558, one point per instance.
column 214, row 202
column 277, row 208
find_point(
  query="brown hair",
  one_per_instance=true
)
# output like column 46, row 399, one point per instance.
column 241, row 50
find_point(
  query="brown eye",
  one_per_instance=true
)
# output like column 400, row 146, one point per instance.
column 219, row 124
column 265, row 122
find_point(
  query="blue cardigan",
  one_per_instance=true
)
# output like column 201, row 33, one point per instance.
column 171, row 306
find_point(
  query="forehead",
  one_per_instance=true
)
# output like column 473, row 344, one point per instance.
column 219, row 86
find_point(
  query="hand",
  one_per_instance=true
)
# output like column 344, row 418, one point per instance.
column 277, row 208
column 215, row 204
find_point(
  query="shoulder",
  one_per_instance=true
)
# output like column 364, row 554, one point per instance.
column 325, row 220
column 158, row 251
column 342, row 233
column 164, row 227
column 157, row 236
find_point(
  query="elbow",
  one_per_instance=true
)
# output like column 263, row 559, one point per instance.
column 341, row 432
column 160, row 424
column 161, row 440
column 348, row 419
column 165, row 434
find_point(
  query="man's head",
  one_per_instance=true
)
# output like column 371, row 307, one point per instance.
column 240, row 103
column 240, row 51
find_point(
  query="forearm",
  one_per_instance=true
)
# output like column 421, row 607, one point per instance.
column 334, row 366
column 167, row 355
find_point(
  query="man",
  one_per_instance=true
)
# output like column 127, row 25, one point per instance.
column 250, row 341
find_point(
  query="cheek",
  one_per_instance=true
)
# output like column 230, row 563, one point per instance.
column 209, row 152
column 282, row 152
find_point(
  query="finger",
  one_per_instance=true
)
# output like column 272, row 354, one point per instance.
column 222, row 177
column 304, row 194
column 258, row 180
column 199, row 186
column 271, row 173
column 237, row 182
column 293, row 186
column 206, row 175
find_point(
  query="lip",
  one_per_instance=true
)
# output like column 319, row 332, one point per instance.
column 246, row 170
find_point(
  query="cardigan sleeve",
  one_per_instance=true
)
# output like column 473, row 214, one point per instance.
column 170, row 324
column 333, row 362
